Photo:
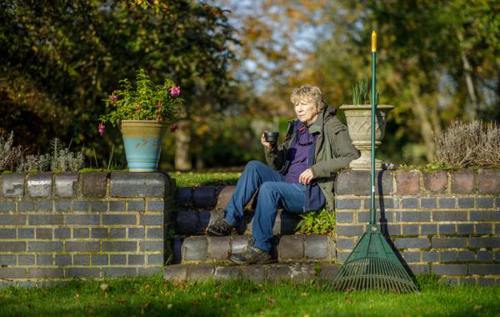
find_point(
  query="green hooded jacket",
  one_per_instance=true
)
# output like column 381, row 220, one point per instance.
column 334, row 151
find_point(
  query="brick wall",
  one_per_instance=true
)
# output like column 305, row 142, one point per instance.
column 55, row 226
column 442, row 222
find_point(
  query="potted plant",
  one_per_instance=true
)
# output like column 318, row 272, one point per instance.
column 358, row 117
column 142, row 111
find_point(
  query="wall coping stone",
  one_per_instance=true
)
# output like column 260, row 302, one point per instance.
column 48, row 185
column 417, row 183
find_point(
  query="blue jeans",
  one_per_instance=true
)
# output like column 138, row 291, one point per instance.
column 274, row 193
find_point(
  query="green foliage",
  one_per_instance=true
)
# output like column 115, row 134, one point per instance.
column 193, row 179
column 317, row 222
column 437, row 62
column 429, row 167
column 219, row 140
column 60, row 60
column 145, row 101
column 227, row 140
column 92, row 170
column 55, row 145
column 360, row 93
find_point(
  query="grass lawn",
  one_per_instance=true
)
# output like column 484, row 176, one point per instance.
column 152, row 296
column 193, row 179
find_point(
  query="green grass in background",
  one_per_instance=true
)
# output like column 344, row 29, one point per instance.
column 193, row 179
column 152, row 296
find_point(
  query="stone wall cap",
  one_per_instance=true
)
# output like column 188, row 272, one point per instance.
column 12, row 184
column 40, row 184
column 139, row 184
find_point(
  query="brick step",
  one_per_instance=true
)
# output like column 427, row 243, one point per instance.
column 297, row 272
column 195, row 222
column 204, row 197
column 287, row 248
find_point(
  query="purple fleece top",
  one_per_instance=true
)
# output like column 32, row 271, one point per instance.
column 301, row 157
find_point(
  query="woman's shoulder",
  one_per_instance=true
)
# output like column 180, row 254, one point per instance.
column 334, row 125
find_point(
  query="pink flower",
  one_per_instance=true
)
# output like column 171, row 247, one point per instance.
column 113, row 98
column 175, row 91
column 101, row 128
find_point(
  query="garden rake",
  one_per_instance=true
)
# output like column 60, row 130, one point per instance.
column 373, row 263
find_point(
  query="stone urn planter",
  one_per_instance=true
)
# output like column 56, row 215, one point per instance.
column 142, row 141
column 358, row 119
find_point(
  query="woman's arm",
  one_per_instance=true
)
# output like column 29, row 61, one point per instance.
column 275, row 157
column 343, row 153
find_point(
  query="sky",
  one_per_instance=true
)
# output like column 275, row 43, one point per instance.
column 304, row 38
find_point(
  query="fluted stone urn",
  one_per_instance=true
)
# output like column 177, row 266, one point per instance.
column 358, row 119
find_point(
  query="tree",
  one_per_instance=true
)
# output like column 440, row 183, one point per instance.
column 442, row 60
column 437, row 62
column 60, row 59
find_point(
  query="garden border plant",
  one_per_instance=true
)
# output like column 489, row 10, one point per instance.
column 318, row 222
column 59, row 160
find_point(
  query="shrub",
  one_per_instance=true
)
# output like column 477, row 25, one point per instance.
column 63, row 160
column 466, row 144
column 60, row 160
column 10, row 155
column 34, row 163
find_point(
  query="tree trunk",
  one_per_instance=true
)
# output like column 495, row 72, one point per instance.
column 469, row 82
column 422, row 115
column 435, row 121
column 182, row 141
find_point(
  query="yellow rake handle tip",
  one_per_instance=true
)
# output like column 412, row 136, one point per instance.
column 374, row 41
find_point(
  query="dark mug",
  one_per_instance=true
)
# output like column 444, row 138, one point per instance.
column 271, row 137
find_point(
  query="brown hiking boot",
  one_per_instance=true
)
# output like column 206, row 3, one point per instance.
column 252, row 255
column 220, row 228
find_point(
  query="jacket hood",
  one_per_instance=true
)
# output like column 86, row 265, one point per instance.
column 327, row 114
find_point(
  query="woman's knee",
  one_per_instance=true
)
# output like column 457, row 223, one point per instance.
column 253, row 165
column 268, row 188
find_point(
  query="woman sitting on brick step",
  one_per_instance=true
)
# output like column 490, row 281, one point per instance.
column 298, row 176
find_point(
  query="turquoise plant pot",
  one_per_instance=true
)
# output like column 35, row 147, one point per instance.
column 142, row 140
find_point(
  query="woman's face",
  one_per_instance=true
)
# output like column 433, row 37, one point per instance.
column 306, row 112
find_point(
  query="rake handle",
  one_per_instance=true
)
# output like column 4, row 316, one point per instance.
column 373, row 111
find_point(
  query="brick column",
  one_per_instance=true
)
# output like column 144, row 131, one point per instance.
column 447, row 223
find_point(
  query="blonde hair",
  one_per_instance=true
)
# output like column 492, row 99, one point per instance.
column 308, row 94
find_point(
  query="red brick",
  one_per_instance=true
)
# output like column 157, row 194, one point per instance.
column 462, row 182
column 489, row 181
column 408, row 182
column 436, row 182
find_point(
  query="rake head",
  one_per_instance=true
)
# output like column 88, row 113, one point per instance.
column 374, row 265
